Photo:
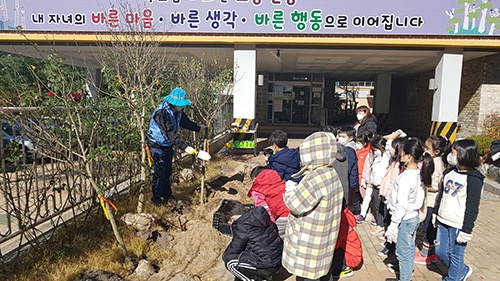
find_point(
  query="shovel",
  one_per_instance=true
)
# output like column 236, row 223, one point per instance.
column 203, row 155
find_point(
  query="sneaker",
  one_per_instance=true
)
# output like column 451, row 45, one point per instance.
column 384, row 252
column 419, row 259
column 360, row 219
column 434, row 258
column 378, row 231
column 346, row 272
column 393, row 268
column 373, row 222
column 468, row 274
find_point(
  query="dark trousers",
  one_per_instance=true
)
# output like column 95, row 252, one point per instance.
column 162, row 165
column 354, row 201
column 429, row 233
column 376, row 205
column 247, row 272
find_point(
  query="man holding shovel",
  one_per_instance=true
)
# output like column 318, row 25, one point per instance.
column 163, row 134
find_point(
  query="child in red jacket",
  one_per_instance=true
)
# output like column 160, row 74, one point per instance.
column 267, row 190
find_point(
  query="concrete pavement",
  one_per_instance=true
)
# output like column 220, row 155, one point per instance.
column 482, row 253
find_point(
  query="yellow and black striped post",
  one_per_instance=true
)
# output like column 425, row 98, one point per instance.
column 445, row 129
column 244, row 125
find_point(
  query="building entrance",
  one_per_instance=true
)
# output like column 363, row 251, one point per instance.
column 294, row 102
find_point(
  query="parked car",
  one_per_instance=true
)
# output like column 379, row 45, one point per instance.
column 13, row 142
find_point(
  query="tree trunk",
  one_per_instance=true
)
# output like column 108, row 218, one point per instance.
column 144, row 163
column 118, row 237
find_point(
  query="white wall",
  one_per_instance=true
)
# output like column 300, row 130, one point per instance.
column 245, row 64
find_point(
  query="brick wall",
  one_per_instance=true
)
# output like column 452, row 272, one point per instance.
column 261, row 101
column 470, row 94
column 411, row 102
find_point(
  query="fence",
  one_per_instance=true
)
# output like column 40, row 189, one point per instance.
column 44, row 187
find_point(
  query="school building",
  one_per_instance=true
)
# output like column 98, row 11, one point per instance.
column 425, row 66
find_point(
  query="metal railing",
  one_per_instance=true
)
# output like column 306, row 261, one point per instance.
column 39, row 192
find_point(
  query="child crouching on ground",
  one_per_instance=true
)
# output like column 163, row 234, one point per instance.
column 256, row 249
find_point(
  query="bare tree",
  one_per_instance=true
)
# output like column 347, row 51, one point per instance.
column 140, row 68
column 210, row 87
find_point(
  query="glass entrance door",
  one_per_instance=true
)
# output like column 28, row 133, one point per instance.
column 300, row 112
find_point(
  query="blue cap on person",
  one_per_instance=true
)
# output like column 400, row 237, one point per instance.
column 177, row 98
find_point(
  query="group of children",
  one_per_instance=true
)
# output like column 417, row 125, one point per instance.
column 309, row 200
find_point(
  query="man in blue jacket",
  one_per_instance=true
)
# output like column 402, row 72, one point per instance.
column 163, row 135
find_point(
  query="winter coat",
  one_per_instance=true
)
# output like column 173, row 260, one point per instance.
column 342, row 169
column 361, row 154
column 348, row 239
column 457, row 204
column 315, row 205
column 270, row 184
column 255, row 240
column 367, row 171
column 286, row 162
column 369, row 125
column 164, row 126
column 390, row 177
column 407, row 196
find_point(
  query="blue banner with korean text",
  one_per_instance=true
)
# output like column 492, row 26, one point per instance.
column 384, row 17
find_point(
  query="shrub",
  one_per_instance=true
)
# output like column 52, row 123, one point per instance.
column 483, row 141
column 491, row 126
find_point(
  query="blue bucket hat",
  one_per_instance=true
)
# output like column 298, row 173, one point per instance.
column 177, row 98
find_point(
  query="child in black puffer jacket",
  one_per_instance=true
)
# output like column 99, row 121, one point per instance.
column 256, row 249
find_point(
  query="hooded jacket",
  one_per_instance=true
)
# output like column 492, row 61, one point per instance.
column 370, row 125
column 270, row 184
column 315, row 205
column 255, row 240
column 286, row 162
column 457, row 204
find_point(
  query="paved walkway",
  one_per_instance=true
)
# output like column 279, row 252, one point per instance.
column 482, row 254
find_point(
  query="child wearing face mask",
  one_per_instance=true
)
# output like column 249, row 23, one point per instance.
column 437, row 147
column 381, row 149
column 367, row 122
column 407, row 198
column 390, row 177
column 363, row 149
column 346, row 138
column 457, row 207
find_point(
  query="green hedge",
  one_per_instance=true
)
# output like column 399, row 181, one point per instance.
column 483, row 142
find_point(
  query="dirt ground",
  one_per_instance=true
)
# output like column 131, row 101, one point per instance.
column 197, row 251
